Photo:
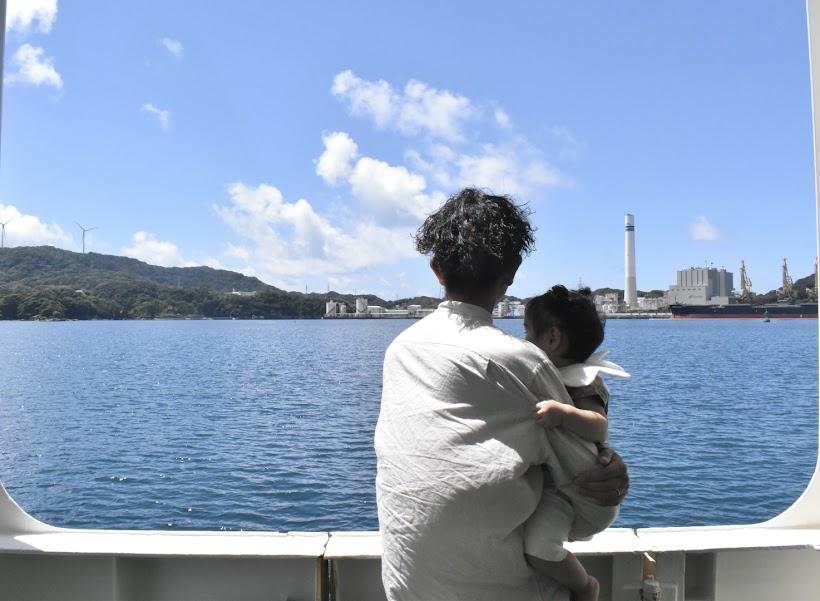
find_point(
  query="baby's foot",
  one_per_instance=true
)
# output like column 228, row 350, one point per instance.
column 588, row 593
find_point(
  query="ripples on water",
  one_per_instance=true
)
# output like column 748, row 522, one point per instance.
column 269, row 424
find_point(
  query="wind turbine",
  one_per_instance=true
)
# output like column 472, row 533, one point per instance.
column 85, row 229
column 3, row 235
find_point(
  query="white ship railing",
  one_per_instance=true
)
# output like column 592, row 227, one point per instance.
column 42, row 562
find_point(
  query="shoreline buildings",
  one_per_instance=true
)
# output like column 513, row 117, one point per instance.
column 363, row 310
column 512, row 309
column 505, row 309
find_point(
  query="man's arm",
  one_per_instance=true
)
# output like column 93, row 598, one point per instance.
column 608, row 483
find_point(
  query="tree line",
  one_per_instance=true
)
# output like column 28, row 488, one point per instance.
column 124, row 300
column 50, row 283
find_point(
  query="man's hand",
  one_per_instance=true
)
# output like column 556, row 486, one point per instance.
column 549, row 413
column 608, row 483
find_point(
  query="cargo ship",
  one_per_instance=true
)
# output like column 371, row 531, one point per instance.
column 787, row 307
column 745, row 311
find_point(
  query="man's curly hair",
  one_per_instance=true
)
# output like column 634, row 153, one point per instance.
column 474, row 237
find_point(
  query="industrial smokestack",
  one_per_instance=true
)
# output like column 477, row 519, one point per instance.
column 630, row 286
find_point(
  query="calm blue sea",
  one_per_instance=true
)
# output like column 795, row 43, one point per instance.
column 269, row 424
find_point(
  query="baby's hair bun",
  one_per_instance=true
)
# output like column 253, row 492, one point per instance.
column 559, row 292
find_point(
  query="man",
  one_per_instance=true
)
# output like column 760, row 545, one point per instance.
column 459, row 454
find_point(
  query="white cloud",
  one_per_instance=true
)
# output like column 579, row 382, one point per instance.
column 439, row 113
column 396, row 196
column 570, row 146
column 491, row 170
column 146, row 247
column 539, row 174
column 513, row 168
column 282, row 241
column 391, row 192
column 441, row 152
column 376, row 99
column 509, row 164
column 33, row 67
column 237, row 252
column 438, row 169
column 504, row 170
column 173, row 46
column 702, row 229
column 502, row 118
column 28, row 230
column 418, row 109
column 213, row 263
column 163, row 115
column 338, row 283
column 288, row 239
column 22, row 14
column 336, row 163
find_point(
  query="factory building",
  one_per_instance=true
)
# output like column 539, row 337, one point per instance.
column 508, row 308
column 417, row 311
column 607, row 303
column 701, row 286
column 646, row 303
column 333, row 307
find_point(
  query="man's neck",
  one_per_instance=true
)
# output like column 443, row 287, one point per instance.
column 485, row 301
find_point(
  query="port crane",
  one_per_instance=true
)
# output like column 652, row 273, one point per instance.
column 786, row 291
column 745, row 284
column 811, row 291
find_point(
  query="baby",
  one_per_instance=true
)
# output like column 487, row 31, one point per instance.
column 566, row 326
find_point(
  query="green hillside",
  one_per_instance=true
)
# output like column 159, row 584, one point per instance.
column 50, row 283
column 49, row 266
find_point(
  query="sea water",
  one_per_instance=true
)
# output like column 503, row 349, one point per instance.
column 268, row 425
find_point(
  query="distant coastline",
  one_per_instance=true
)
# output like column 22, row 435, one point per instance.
column 43, row 283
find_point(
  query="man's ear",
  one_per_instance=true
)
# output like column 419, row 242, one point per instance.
column 511, row 270
column 434, row 265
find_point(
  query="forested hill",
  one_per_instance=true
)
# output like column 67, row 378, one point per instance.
column 49, row 266
column 49, row 283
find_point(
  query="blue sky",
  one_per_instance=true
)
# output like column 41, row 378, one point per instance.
column 304, row 142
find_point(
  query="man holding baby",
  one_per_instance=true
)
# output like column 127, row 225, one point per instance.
column 460, row 457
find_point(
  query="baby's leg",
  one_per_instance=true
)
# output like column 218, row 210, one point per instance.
column 544, row 536
column 570, row 573
column 548, row 527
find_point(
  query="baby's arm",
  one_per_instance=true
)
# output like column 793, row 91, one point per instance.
column 586, row 418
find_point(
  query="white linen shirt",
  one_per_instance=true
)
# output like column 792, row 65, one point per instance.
column 459, row 459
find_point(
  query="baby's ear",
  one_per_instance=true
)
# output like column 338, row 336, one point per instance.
column 555, row 337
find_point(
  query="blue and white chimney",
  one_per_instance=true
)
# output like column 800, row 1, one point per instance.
column 630, row 285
